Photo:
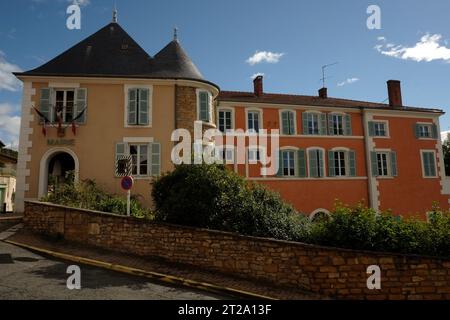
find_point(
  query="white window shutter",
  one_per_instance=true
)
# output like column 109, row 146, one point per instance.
column 144, row 96
column 156, row 159
column 45, row 103
column 132, row 107
column 81, row 105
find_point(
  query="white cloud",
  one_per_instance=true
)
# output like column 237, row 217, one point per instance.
column 9, row 124
column 348, row 81
column 257, row 74
column 381, row 39
column 81, row 3
column 264, row 56
column 444, row 135
column 428, row 48
column 7, row 80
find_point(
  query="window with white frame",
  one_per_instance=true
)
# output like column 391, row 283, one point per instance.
column 139, row 159
column 313, row 123
column 225, row 120
column 253, row 121
column 225, row 154
column 288, row 120
column 378, row 129
column 426, row 130
column 253, row 155
column 429, row 164
column 382, row 163
column 342, row 163
column 339, row 163
column 138, row 112
column 63, row 105
column 145, row 159
column 288, row 163
column 337, row 124
column 204, row 106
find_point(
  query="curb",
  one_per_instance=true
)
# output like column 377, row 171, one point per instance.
column 204, row 286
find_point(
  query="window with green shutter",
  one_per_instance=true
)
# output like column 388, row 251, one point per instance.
column 280, row 164
column 314, row 123
column 331, row 167
column 384, row 163
column 323, row 124
column 80, row 110
column 352, row 163
column 316, row 163
column 394, row 170
column 45, row 104
column 374, row 163
column 422, row 130
column 288, row 123
column 378, row 129
column 335, row 124
column 301, row 163
column 138, row 111
column 348, row 125
column 429, row 163
column 156, row 159
column 204, row 106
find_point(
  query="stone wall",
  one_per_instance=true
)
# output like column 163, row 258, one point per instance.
column 332, row 272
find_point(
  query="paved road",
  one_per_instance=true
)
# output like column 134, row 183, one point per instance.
column 25, row 275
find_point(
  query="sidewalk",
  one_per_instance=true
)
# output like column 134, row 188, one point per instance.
column 159, row 270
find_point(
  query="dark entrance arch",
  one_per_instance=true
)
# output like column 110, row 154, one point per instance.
column 61, row 168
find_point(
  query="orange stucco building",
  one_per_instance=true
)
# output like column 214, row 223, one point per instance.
column 106, row 100
column 387, row 156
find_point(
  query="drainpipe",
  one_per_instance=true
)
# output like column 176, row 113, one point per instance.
column 367, row 148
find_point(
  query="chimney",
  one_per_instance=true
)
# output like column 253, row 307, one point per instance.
column 395, row 93
column 323, row 93
column 258, row 86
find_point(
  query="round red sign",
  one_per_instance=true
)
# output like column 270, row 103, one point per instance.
column 126, row 183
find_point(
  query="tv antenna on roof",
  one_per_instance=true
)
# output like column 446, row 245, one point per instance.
column 323, row 72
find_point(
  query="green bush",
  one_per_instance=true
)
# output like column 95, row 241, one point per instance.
column 364, row 229
column 87, row 195
column 212, row 196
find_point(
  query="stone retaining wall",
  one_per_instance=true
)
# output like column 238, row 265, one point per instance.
column 329, row 271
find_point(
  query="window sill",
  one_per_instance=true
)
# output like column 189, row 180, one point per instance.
column 138, row 178
column 385, row 177
column 427, row 138
column 282, row 178
column 138, row 126
column 63, row 125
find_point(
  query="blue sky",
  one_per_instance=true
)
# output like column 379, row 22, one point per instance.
column 294, row 39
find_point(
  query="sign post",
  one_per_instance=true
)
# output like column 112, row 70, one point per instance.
column 127, row 184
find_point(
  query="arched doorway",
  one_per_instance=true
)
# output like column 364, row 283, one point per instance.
column 58, row 166
column 61, row 170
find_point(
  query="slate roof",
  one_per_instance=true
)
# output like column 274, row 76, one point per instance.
column 112, row 52
column 287, row 99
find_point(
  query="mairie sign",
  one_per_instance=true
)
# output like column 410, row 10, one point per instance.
column 61, row 142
